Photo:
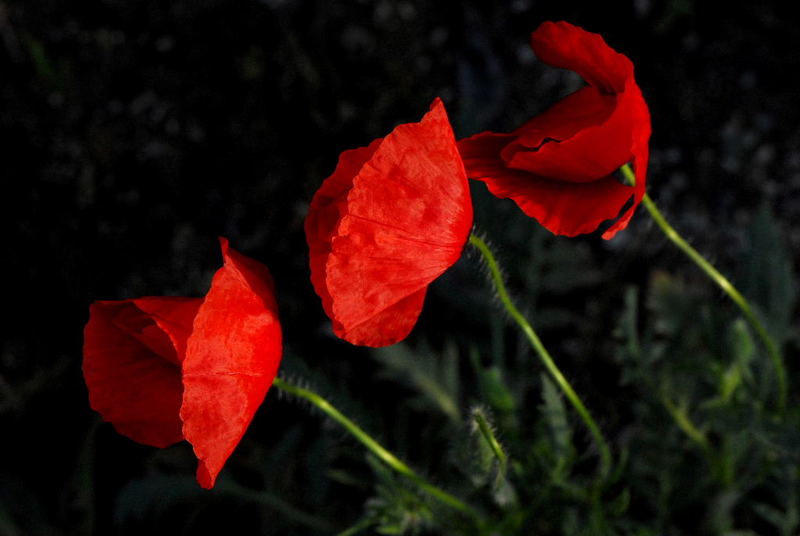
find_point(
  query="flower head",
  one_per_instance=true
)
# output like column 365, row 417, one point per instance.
column 391, row 218
column 559, row 166
column 163, row 369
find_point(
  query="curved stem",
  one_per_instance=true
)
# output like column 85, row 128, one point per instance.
column 544, row 355
column 723, row 283
column 373, row 446
column 685, row 423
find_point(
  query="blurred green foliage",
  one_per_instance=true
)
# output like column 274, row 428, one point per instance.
column 703, row 451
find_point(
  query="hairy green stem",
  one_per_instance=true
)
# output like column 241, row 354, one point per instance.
column 772, row 349
column 373, row 446
column 488, row 435
column 544, row 355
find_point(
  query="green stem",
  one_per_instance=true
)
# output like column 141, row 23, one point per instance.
column 376, row 448
column 544, row 355
column 488, row 435
column 723, row 283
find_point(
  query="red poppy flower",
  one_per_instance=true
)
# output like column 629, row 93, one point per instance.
column 163, row 369
column 392, row 218
column 559, row 166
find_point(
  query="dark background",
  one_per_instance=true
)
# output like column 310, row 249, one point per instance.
column 135, row 132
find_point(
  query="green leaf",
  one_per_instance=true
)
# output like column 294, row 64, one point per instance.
column 628, row 327
column 767, row 277
column 156, row 494
column 555, row 414
column 743, row 348
column 495, row 391
column 399, row 507
column 619, row 504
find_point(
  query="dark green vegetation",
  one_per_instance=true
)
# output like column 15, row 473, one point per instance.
column 134, row 132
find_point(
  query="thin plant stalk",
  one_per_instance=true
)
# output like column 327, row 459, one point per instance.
column 544, row 355
column 361, row 526
column 488, row 435
column 722, row 282
column 373, row 446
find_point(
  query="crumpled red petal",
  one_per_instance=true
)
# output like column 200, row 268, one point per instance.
column 585, row 108
column 162, row 369
column 391, row 219
column 602, row 144
column 132, row 368
column 558, row 167
column 232, row 357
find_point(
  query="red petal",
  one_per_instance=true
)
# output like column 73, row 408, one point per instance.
column 327, row 208
column 131, row 367
column 561, row 44
column 232, row 357
column 403, row 222
column 563, row 208
column 389, row 326
column 585, row 108
column 481, row 154
column 591, row 150
column 641, row 156
column 174, row 316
